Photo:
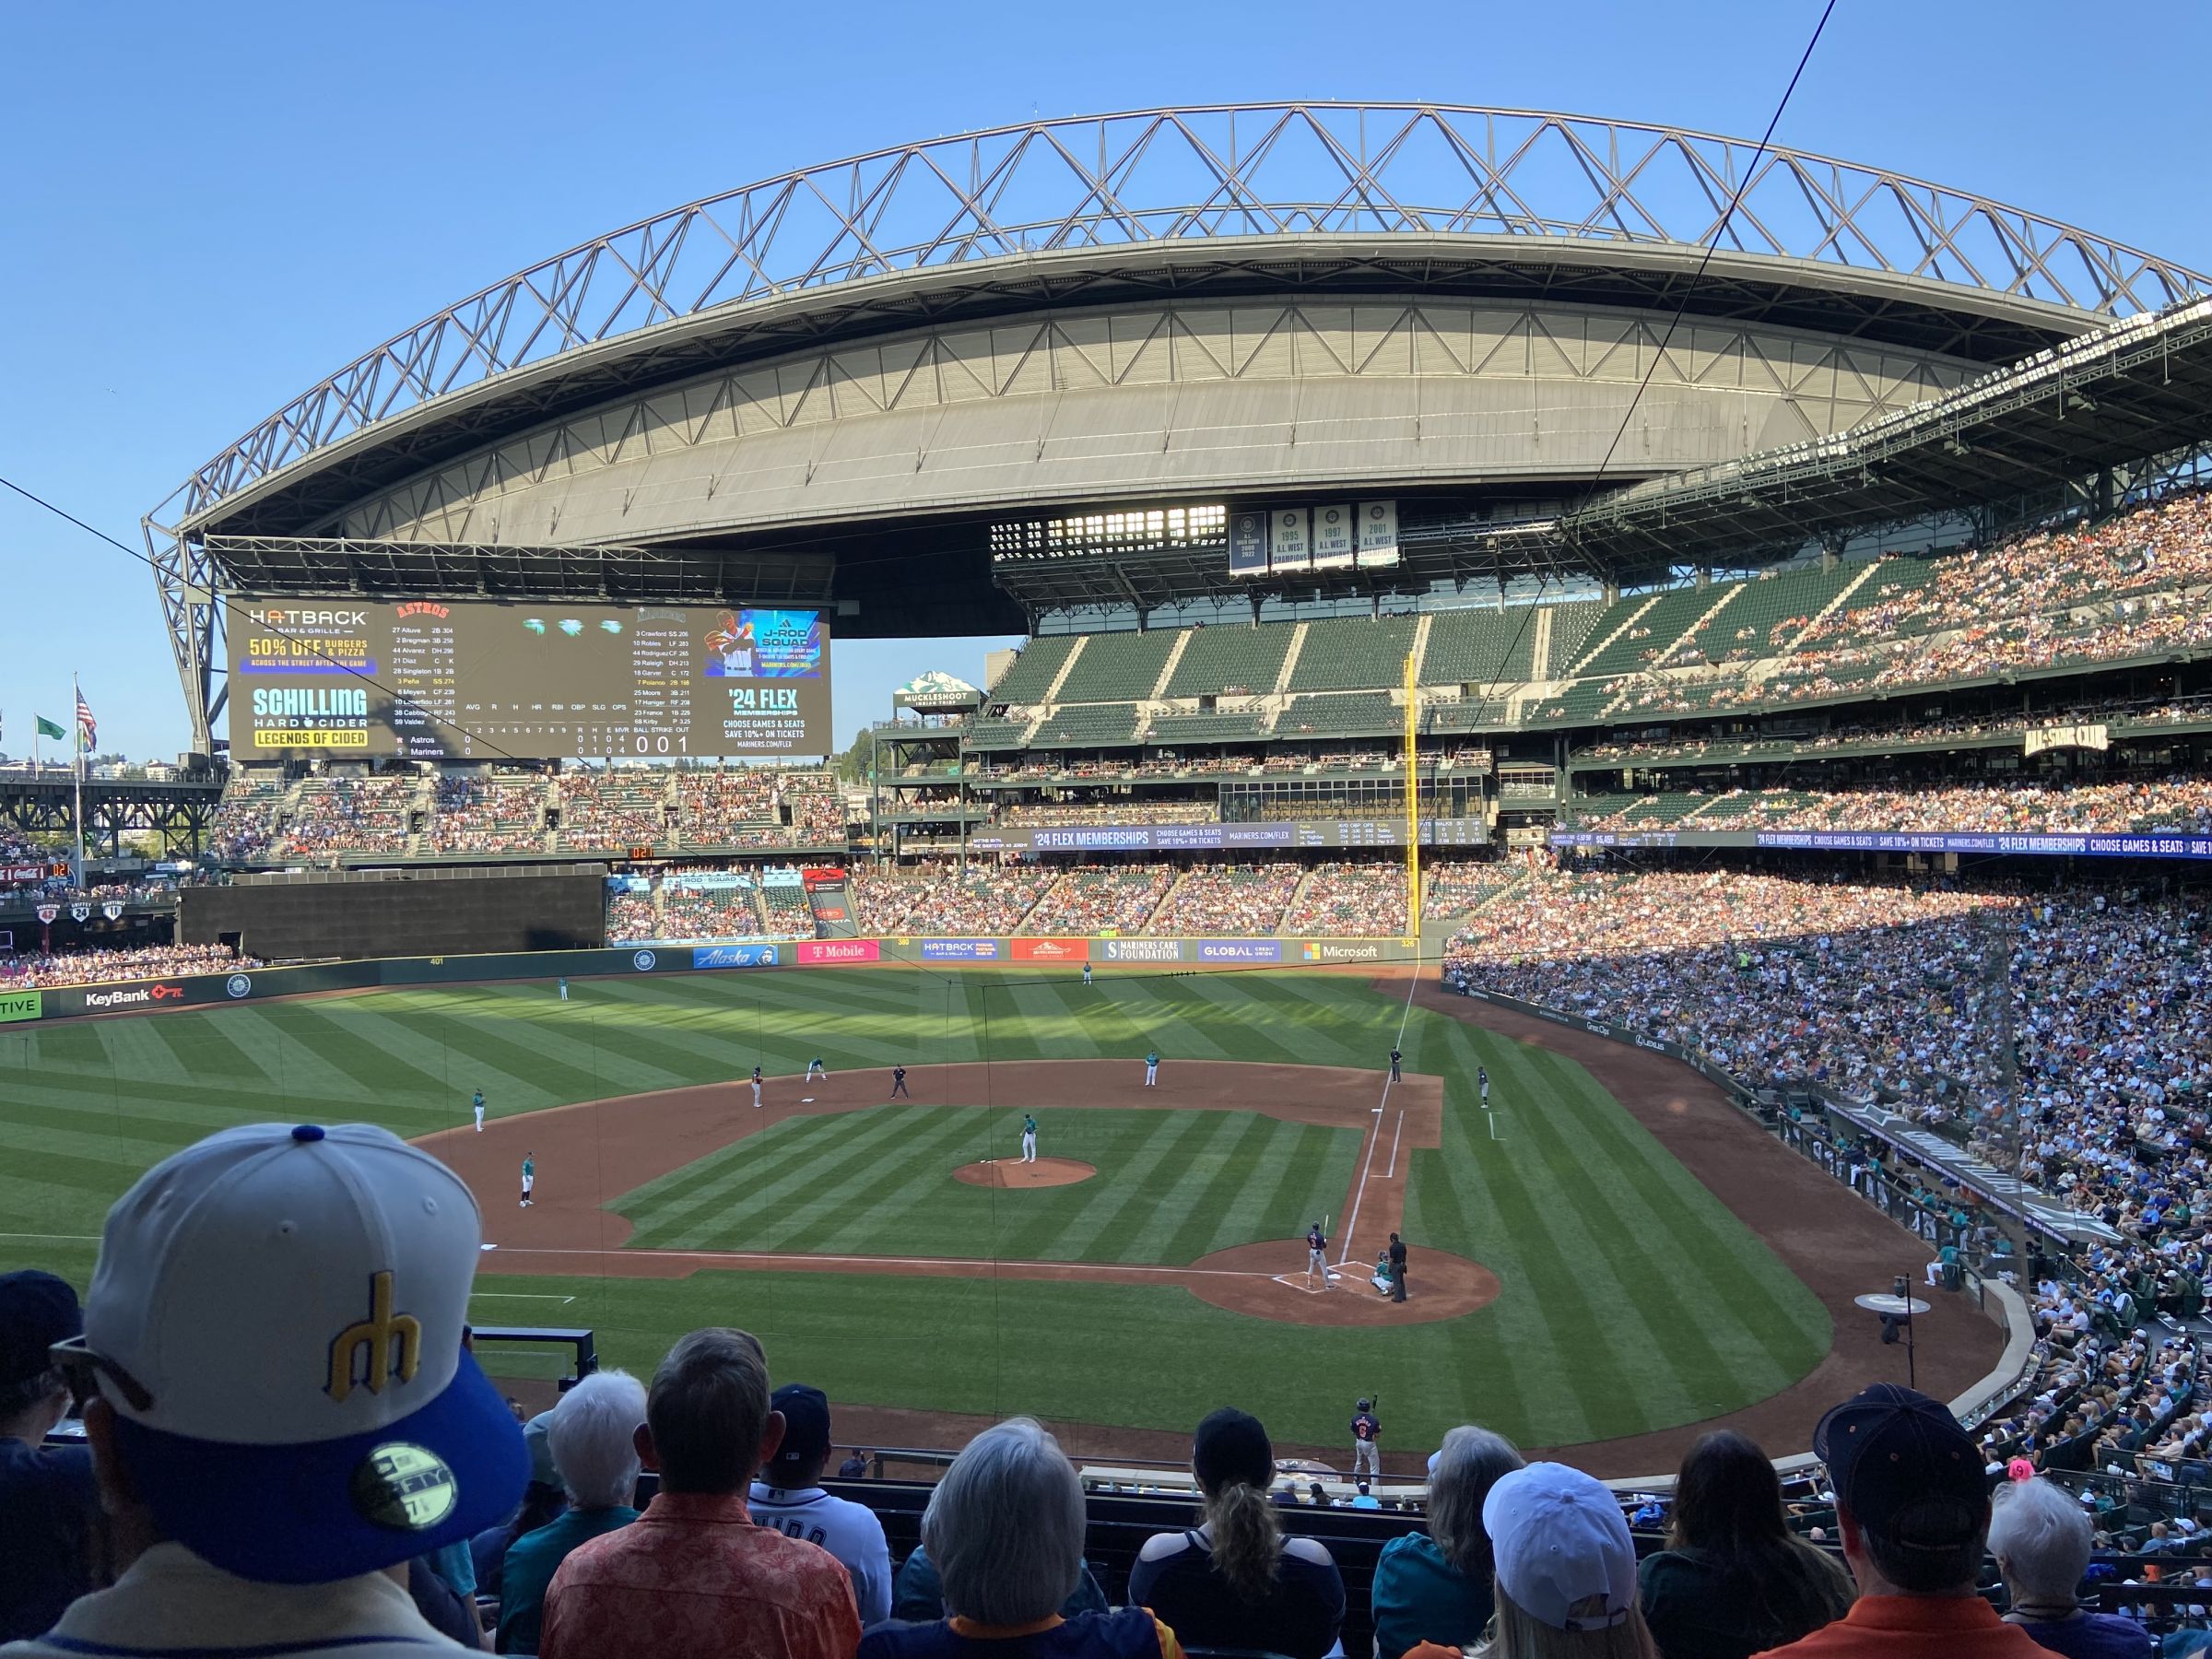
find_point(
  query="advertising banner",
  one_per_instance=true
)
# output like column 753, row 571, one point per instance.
column 1248, row 543
column 1138, row 950
column 2092, row 735
column 1290, row 538
column 733, row 956
column 1049, row 950
column 21, row 1005
column 1239, row 950
column 2064, row 845
column 1335, row 535
column 1172, row 838
column 19, row 873
column 830, row 953
column 1340, row 951
column 1377, row 533
column 959, row 950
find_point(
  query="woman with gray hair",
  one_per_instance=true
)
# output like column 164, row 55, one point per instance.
column 1436, row 1586
column 1005, row 1531
column 593, row 1435
column 2042, row 1541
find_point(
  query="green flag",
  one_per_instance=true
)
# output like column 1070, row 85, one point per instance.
column 48, row 729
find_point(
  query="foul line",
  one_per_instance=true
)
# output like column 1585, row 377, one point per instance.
column 1351, row 1222
column 979, row 1264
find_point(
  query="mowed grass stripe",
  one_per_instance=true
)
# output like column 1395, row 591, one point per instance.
column 1141, row 1227
column 1719, row 1263
column 755, row 1164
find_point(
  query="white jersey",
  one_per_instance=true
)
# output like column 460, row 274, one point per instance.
column 848, row 1531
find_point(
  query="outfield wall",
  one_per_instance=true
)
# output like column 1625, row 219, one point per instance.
column 261, row 984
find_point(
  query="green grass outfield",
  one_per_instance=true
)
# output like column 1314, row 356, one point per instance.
column 1632, row 1300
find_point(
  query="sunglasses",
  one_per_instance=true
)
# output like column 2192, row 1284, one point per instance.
column 83, row 1369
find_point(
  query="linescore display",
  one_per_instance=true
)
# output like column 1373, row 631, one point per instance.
column 476, row 681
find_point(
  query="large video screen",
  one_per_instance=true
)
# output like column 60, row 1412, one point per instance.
column 439, row 681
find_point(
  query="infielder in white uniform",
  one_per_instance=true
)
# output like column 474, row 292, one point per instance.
column 788, row 1497
column 1152, row 1068
column 756, row 1089
column 478, row 1104
column 815, row 1072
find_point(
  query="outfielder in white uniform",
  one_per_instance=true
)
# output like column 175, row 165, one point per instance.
column 756, row 1089
column 478, row 1104
column 789, row 1498
column 1028, row 1138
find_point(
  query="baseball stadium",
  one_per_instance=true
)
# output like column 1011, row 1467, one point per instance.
column 1599, row 830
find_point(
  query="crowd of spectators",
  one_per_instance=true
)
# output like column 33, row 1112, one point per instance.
column 349, row 814
column 103, row 967
column 1360, row 901
column 983, row 900
column 1107, row 810
column 718, row 912
column 1453, row 889
column 1100, row 899
column 2180, row 802
column 472, row 813
column 631, row 917
column 1246, row 899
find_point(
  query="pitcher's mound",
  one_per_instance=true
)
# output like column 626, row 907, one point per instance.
column 1013, row 1172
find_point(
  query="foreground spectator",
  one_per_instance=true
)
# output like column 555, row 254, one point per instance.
column 47, row 1506
column 1236, row 1581
column 543, row 1502
column 1006, row 1523
column 1566, row 1569
column 592, row 1435
column 1913, row 1509
column 788, row 1496
column 692, row 1577
column 1734, row 1579
column 279, row 1406
column 2041, row 1540
column 1436, row 1586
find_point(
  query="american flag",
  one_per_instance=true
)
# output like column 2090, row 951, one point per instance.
column 88, row 729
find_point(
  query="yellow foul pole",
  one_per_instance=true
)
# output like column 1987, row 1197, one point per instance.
column 1413, row 802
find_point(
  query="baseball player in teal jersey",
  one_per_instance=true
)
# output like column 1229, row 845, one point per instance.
column 529, row 1179
column 1028, row 1138
column 1151, row 1068
column 477, row 1102
column 815, row 1072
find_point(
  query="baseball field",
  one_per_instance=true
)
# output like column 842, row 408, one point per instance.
column 1572, row 1281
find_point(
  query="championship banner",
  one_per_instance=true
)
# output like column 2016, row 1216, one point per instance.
column 1333, row 537
column 1290, row 538
column 1377, row 533
column 1248, row 543
column 2036, row 739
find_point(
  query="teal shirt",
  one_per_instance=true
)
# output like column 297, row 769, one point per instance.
column 530, row 1564
column 529, row 1168
column 1418, row 1596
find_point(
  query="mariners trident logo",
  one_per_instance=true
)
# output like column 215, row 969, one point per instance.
column 383, row 1345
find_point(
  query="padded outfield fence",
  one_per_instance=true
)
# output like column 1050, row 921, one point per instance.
column 261, row 984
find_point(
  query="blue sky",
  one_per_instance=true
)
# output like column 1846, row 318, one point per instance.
column 208, row 209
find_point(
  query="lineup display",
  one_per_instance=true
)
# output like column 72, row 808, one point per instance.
column 443, row 680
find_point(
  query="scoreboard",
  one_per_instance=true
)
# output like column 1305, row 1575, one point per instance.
column 469, row 680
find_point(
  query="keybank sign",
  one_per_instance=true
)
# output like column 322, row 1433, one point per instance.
column 21, row 1004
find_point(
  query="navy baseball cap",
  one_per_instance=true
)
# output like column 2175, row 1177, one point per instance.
column 37, row 1310
column 1904, row 1468
column 805, row 1430
column 1231, row 1445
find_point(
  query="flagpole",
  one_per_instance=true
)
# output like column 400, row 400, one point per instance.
column 76, row 703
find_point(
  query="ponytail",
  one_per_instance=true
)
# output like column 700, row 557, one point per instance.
column 1248, row 1539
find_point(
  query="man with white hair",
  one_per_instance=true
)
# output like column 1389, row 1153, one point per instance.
column 593, row 1436
column 2042, row 1541
column 1005, row 1528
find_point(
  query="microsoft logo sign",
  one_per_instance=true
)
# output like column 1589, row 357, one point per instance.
column 21, row 1005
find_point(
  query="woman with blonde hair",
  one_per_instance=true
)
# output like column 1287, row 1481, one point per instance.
column 1236, row 1581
